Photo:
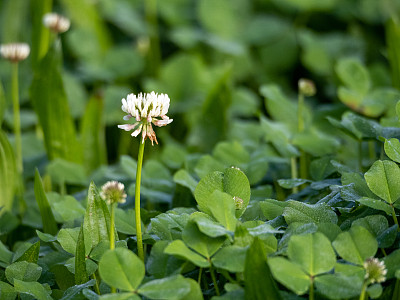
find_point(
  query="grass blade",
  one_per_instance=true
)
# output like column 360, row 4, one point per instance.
column 48, row 220
column 8, row 173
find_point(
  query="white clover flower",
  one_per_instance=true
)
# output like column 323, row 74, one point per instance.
column 56, row 22
column 375, row 270
column 146, row 108
column 15, row 51
column 113, row 192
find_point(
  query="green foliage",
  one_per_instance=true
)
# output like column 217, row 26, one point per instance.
column 259, row 281
column 356, row 245
column 382, row 180
column 116, row 267
column 232, row 181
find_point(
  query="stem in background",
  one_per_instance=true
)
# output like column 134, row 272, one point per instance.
column 96, row 286
column 360, row 155
column 200, row 273
column 214, row 281
column 396, row 292
column 300, row 108
column 371, row 150
column 303, row 165
column 137, row 202
column 293, row 168
column 17, row 117
column 152, row 26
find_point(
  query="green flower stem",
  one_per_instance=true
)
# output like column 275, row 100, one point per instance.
column 363, row 290
column 112, row 234
column 152, row 25
column 293, row 168
column 360, row 155
column 137, row 202
column 300, row 108
column 17, row 117
column 112, row 227
column 300, row 128
column 214, row 281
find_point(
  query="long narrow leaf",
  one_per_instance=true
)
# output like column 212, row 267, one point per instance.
column 40, row 33
column 51, row 105
column 96, row 224
column 80, row 264
column 8, row 173
column 393, row 42
column 48, row 220
column 93, row 135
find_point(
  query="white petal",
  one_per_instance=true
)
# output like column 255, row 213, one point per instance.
column 127, row 127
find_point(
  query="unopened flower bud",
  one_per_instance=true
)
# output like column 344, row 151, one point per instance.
column 113, row 192
column 375, row 270
column 56, row 23
column 15, row 51
column 238, row 202
column 307, row 87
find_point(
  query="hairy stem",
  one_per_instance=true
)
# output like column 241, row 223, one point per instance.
column 137, row 202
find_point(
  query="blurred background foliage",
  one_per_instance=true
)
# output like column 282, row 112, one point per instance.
column 231, row 69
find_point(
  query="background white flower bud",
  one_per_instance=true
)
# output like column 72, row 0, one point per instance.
column 15, row 51
column 56, row 23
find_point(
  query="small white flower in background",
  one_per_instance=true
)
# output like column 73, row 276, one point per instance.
column 375, row 270
column 146, row 108
column 56, row 23
column 113, row 192
column 307, row 87
column 15, row 51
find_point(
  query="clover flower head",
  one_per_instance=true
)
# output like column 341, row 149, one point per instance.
column 15, row 51
column 113, row 192
column 375, row 270
column 307, row 87
column 56, row 22
column 147, row 109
